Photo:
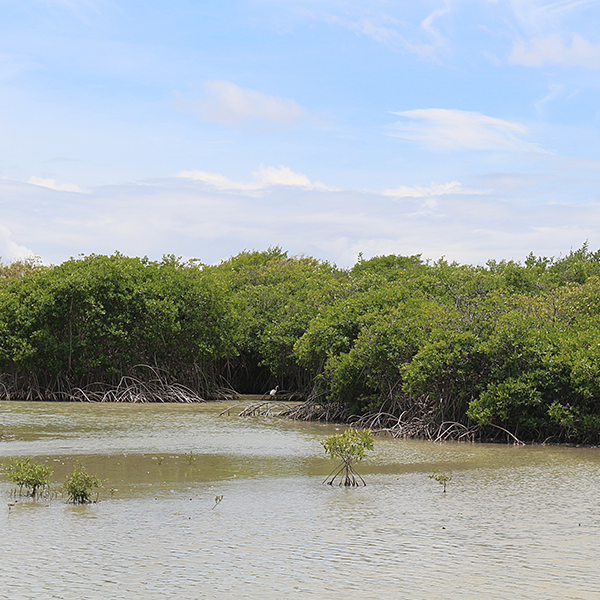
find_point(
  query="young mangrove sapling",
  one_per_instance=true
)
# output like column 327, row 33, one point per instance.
column 29, row 475
column 80, row 484
column 442, row 478
column 349, row 447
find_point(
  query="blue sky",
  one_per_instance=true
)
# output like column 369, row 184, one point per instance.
column 461, row 128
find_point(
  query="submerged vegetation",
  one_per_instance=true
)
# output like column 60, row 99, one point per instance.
column 396, row 343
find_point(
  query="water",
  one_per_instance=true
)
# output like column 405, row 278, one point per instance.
column 516, row 522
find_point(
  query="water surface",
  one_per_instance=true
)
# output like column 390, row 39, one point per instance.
column 516, row 522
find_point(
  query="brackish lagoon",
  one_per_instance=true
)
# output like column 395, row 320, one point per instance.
column 516, row 522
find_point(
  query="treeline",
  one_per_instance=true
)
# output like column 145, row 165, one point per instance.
column 413, row 346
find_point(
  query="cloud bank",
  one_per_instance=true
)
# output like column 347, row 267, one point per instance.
column 210, row 217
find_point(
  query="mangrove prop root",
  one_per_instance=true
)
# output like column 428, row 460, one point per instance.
column 399, row 418
column 152, row 388
column 266, row 408
column 314, row 410
column 348, row 476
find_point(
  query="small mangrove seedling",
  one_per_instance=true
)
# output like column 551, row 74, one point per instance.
column 29, row 475
column 349, row 447
column 218, row 500
column 190, row 457
column 80, row 485
column 442, row 478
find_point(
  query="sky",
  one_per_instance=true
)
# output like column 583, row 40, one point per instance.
column 468, row 129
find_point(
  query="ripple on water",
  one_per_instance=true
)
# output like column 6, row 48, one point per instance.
column 516, row 522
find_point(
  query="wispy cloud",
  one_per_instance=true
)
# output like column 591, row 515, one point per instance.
column 427, row 24
column 228, row 104
column 551, row 50
column 388, row 35
column 555, row 91
column 59, row 187
column 435, row 189
column 423, row 39
column 263, row 178
column 539, row 13
column 446, row 129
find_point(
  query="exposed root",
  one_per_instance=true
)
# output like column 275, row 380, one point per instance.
column 153, row 388
column 401, row 418
column 452, row 430
column 348, row 476
column 407, row 426
column 406, row 418
column 262, row 408
column 225, row 393
column 517, row 441
column 314, row 410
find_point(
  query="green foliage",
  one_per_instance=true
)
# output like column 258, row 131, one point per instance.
column 504, row 345
column 349, row 447
column 218, row 500
column 442, row 478
column 380, row 269
column 276, row 297
column 80, row 485
column 27, row 474
column 96, row 317
column 19, row 269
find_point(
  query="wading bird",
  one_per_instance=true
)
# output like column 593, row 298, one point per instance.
column 273, row 391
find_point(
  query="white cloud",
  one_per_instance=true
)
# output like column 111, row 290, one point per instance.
column 170, row 216
column 229, row 104
column 555, row 91
column 540, row 13
column 423, row 39
column 445, row 129
column 263, row 178
column 551, row 50
column 427, row 24
column 389, row 36
column 435, row 189
column 59, row 187
column 9, row 249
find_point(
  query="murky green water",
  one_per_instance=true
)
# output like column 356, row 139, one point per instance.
column 516, row 523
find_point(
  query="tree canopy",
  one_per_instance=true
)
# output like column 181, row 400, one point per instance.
column 506, row 344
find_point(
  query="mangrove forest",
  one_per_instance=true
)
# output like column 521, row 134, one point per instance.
column 396, row 343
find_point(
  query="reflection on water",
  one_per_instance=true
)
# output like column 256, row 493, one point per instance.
column 516, row 523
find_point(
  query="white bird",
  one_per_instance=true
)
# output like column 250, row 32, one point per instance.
column 273, row 391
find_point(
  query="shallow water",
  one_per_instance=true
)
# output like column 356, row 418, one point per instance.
column 516, row 522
